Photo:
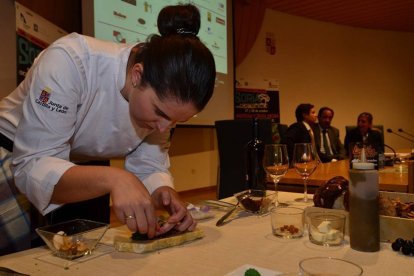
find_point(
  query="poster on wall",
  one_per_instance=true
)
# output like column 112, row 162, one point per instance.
column 33, row 34
column 256, row 103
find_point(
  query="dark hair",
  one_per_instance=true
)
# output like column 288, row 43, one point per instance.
column 367, row 115
column 302, row 109
column 177, row 64
column 180, row 19
column 322, row 109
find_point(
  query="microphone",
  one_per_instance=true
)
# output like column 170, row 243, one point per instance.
column 394, row 159
column 409, row 134
column 406, row 138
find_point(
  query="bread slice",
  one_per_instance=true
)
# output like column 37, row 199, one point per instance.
column 125, row 244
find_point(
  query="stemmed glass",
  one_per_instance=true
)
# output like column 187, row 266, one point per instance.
column 276, row 164
column 305, row 161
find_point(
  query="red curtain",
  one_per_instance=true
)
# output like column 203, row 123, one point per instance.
column 248, row 18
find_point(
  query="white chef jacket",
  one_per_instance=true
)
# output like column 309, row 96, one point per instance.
column 69, row 107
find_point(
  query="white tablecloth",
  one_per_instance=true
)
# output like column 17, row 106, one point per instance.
column 247, row 239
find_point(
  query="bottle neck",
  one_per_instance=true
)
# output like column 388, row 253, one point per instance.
column 255, row 129
column 255, row 175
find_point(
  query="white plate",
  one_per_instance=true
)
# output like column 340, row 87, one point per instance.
column 263, row 271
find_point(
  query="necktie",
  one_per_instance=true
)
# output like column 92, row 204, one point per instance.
column 325, row 143
column 312, row 139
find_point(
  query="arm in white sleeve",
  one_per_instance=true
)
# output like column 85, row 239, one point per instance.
column 41, row 143
column 150, row 161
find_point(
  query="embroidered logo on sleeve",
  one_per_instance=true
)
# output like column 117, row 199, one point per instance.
column 45, row 101
column 44, row 96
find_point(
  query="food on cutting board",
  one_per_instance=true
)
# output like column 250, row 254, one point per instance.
column 140, row 243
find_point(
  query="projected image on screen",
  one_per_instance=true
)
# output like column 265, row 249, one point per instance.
column 131, row 21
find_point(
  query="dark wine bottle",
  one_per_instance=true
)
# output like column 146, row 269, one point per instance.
column 254, row 151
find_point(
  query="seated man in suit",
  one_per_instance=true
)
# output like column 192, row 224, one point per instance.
column 327, row 141
column 301, row 131
column 364, row 133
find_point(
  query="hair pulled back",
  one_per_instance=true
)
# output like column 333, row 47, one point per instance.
column 183, row 19
column 177, row 64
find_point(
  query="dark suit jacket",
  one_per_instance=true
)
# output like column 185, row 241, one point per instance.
column 296, row 133
column 337, row 147
column 374, row 138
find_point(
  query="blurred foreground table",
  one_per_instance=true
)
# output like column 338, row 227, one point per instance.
column 246, row 239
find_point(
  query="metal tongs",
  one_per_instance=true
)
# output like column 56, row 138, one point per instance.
column 218, row 204
column 221, row 221
column 240, row 197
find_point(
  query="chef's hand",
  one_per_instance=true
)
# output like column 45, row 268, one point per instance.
column 180, row 219
column 133, row 205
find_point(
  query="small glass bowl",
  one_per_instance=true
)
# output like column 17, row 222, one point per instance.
column 287, row 222
column 74, row 238
column 326, row 228
column 254, row 201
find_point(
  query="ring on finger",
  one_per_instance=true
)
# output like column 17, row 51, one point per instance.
column 129, row 217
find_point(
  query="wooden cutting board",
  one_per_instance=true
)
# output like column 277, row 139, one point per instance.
column 124, row 243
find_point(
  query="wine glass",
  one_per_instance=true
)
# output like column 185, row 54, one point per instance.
column 276, row 164
column 305, row 161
